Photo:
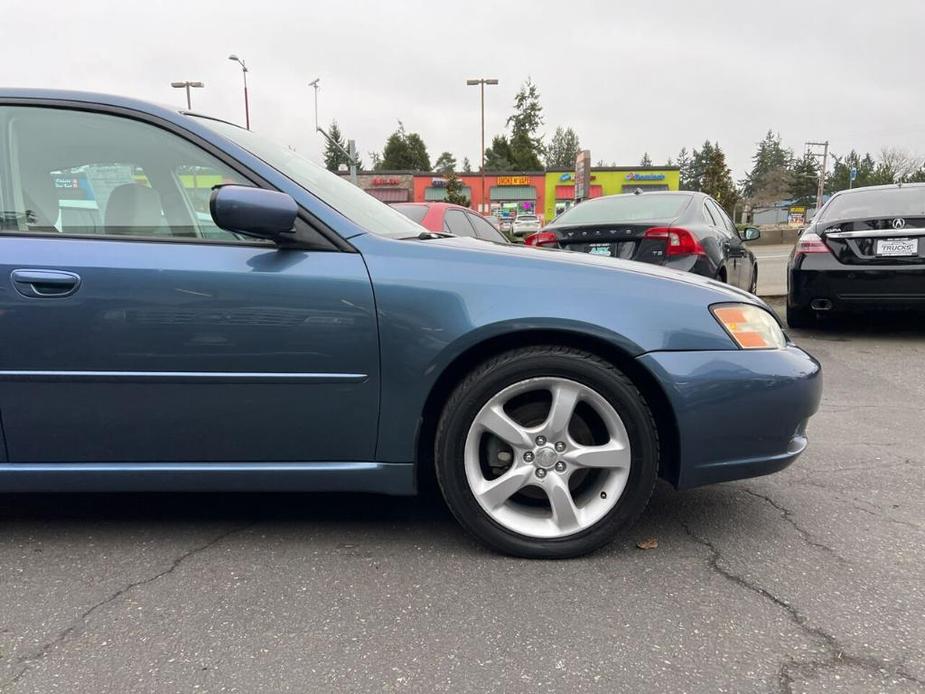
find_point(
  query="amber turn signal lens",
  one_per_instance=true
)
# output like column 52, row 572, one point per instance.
column 749, row 326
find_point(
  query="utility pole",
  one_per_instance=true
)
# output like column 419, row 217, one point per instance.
column 481, row 83
column 811, row 149
column 350, row 152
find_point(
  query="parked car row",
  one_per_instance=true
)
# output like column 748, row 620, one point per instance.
column 307, row 337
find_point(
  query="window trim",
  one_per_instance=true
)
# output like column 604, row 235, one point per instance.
column 337, row 242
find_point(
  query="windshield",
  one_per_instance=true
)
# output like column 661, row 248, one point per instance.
column 876, row 202
column 352, row 202
column 648, row 207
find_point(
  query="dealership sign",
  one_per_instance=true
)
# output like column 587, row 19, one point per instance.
column 645, row 177
column 512, row 181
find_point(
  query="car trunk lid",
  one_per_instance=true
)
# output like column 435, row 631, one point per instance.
column 616, row 240
column 877, row 241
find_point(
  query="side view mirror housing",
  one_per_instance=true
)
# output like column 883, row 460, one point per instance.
column 264, row 214
column 751, row 234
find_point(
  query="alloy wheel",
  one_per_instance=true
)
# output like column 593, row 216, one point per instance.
column 547, row 457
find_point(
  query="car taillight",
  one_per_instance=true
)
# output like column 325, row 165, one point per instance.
column 810, row 242
column 680, row 241
column 542, row 238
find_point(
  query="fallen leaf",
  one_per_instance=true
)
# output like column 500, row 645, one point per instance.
column 650, row 543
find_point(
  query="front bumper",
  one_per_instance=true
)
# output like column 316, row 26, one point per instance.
column 739, row 413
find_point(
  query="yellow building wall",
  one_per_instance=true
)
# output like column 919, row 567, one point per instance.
column 611, row 183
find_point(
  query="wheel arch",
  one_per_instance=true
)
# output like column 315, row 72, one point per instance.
column 464, row 362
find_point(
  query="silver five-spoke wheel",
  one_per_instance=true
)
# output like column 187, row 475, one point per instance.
column 547, row 457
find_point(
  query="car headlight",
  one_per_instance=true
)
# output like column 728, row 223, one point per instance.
column 750, row 327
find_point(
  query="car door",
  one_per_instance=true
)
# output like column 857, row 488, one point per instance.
column 732, row 245
column 743, row 259
column 138, row 331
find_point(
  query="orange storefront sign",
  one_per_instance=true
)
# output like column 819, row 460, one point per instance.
column 512, row 181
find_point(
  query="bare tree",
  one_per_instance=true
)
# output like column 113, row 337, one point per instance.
column 900, row 163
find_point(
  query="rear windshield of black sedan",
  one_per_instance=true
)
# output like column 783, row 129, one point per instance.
column 648, row 207
column 876, row 202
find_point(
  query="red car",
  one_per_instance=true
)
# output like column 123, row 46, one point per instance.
column 452, row 219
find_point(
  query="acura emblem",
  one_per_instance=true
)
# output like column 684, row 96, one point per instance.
column 899, row 223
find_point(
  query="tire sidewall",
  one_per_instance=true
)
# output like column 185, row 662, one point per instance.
column 501, row 373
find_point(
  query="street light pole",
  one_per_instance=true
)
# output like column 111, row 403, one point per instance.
column 247, row 110
column 186, row 85
column 481, row 82
column 350, row 152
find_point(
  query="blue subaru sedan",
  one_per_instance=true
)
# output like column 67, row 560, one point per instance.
column 188, row 306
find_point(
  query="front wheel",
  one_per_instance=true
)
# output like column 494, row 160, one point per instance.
column 546, row 452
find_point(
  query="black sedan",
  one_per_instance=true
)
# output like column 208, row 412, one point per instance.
column 682, row 230
column 864, row 250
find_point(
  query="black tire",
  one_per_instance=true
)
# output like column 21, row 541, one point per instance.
column 800, row 318
column 511, row 367
column 753, row 289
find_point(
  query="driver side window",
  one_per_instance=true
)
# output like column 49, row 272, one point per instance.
column 79, row 173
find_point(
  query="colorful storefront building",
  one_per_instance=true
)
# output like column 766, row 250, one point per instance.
column 506, row 194
column 560, row 184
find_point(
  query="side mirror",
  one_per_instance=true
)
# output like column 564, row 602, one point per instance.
column 751, row 234
column 265, row 214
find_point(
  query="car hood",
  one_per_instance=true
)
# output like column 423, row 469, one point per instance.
column 554, row 255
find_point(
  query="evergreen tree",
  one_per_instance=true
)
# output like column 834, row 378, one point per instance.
column 804, row 179
column 499, row 157
column 867, row 170
column 716, row 179
column 445, row 162
column 698, row 165
column 454, row 189
column 466, row 166
column 769, row 179
column 686, row 172
column 646, row 160
column 563, row 149
column 526, row 147
column 334, row 157
column 404, row 151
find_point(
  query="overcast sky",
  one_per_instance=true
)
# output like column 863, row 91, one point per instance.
column 629, row 76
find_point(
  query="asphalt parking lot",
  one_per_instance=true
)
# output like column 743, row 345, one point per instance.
column 809, row 580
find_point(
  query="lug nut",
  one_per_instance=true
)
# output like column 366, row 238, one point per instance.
column 560, row 466
column 560, row 446
column 540, row 472
column 528, row 457
column 540, row 440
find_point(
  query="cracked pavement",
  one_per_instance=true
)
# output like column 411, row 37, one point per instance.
column 810, row 580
